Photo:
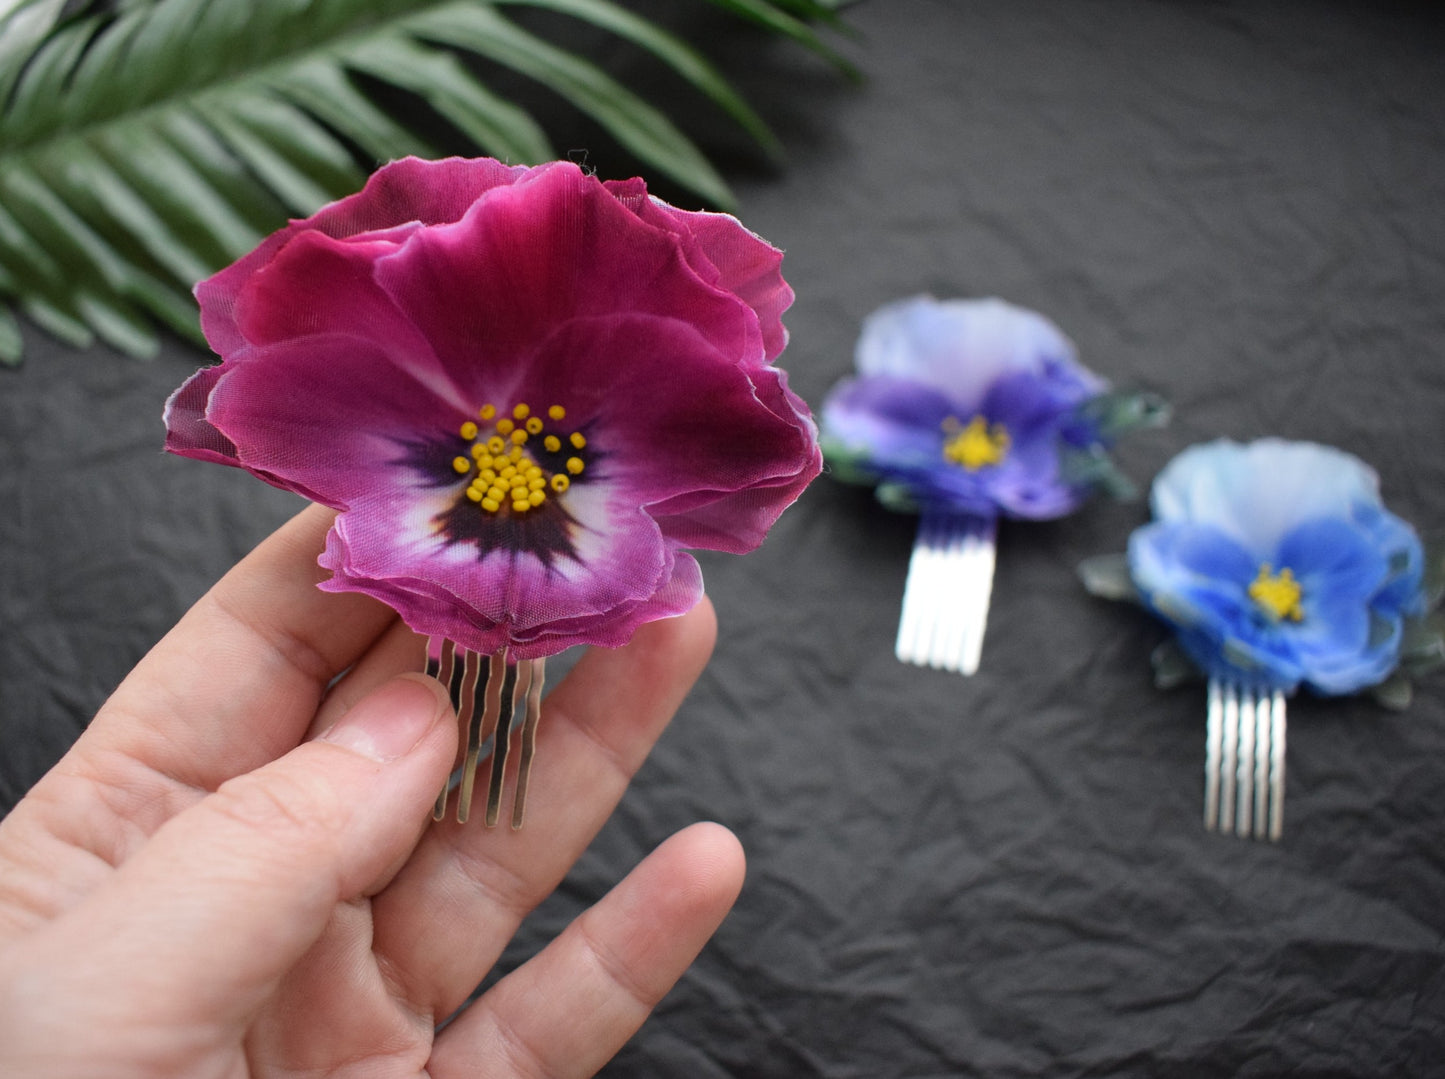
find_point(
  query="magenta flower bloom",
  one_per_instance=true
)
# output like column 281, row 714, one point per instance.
column 526, row 391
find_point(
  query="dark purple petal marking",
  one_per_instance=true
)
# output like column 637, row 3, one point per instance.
column 518, row 466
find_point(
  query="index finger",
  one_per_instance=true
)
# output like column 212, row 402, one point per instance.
column 235, row 684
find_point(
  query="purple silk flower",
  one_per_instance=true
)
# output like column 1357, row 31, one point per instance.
column 524, row 389
column 973, row 407
column 964, row 411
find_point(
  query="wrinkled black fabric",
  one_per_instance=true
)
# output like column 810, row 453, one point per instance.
column 1237, row 205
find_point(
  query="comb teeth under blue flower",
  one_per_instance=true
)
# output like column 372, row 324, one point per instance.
column 1244, row 761
column 946, row 595
column 510, row 694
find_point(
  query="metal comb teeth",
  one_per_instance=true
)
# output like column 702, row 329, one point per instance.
column 498, row 700
column 946, row 595
column 1244, row 761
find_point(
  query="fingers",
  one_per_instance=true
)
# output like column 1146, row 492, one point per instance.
column 597, row 727
column 397, row 650
column 572, row 1007
column 202, row 922
column 235, row 684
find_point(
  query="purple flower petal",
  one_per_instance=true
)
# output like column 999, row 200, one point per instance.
column 963, row 347
column 552, row 248
column 725, row 254
column 317, row 285
column 404, row 192
column 330, row 414
column 188, row 432
column 928, row 372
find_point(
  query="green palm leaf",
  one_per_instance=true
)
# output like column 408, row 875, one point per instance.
column 146, row 143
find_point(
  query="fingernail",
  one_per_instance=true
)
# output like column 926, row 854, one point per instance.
column 388, row 722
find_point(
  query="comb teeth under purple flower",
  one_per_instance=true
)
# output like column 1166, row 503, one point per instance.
column 498, row 700
column 946, row 595
column 963, row 411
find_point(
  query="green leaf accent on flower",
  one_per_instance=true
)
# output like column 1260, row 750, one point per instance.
column 1434, row 576
column 146, row 143
column 1422, row 645
column 897, row 497
column 1107, row 576
column 1394, row 693
column 1093, row 467
column 1172, row 666
column 847, row 464
column 1117, row 414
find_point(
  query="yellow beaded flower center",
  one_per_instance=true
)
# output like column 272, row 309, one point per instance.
column 975, row 445
column 1278, row 593
column 505, row 476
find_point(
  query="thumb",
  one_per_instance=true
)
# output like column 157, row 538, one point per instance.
column 229, row 895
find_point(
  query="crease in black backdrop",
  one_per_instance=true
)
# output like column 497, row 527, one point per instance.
column 1237, row 205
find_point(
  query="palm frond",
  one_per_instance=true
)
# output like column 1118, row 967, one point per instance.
column 146, row 143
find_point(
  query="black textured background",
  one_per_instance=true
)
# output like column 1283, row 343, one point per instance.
column 1240, row 205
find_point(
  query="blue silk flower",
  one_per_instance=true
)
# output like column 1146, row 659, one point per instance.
column 1279, row 566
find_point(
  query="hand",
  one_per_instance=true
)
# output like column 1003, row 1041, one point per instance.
column 234, row 871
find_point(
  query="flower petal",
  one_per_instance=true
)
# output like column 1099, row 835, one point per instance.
column 963, row 346
column 1190, row 572
column 526, row 259
column 331, row 414
column 621, row 560
column 1397, row 542
column 663, row 435
column 319, row 285
column 1258, row 492
column 677, row 595
column 1335, row 647
column 1033, row 404
column 896, row 422
column 409, row 190
column 736, row 518
column 1334, row 562
column 188, row 432
column 725, row 254
column 427, row 611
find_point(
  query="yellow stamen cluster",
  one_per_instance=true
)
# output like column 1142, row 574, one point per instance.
column 504, row 474
column 1278, row 593
column 975, row 445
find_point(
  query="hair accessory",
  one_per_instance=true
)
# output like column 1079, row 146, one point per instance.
column 1277, row 566
column 526, row 391
column 963, row 411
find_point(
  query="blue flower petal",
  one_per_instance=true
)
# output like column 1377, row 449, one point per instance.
column 1240, row 662
column 1404, row 591
column 1258, row 492
column 1334, row 561
column 1190, row 568
column 1344, row 648
column 1228, row 513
